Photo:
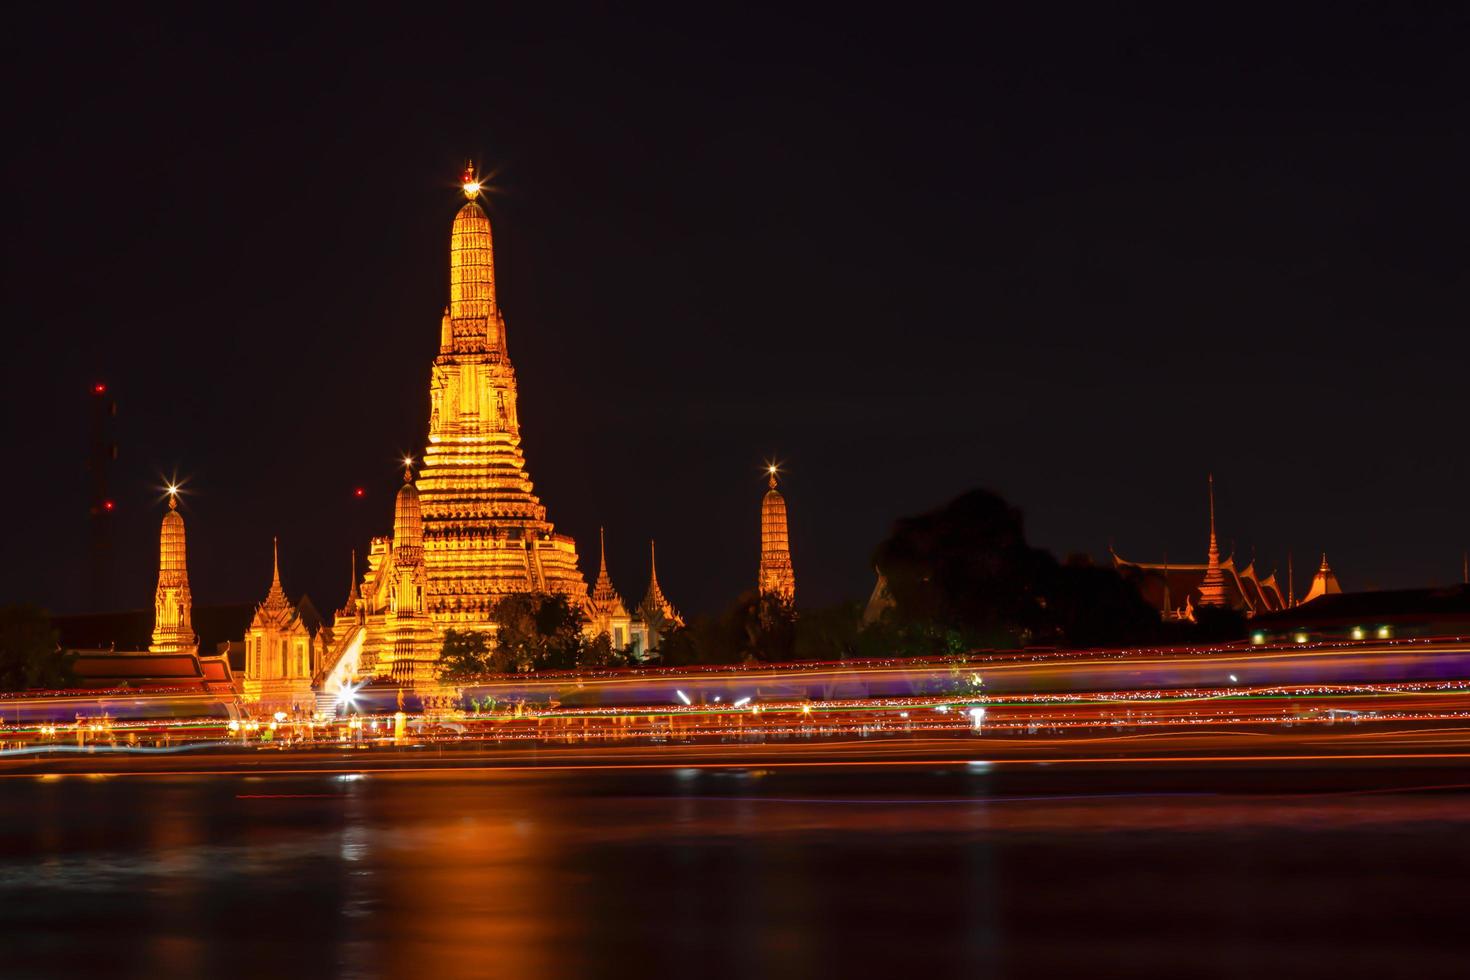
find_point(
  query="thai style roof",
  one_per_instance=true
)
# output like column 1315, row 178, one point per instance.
column 604, row 596
column 1242, row 589
column 1323, row 583
column 656, row 607
column 1177, row 589
column 276, row 611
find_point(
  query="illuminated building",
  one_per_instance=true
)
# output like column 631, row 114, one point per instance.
column 656, row 612
column 470, row 531
column 280, row 655
column 401, row 640
column 775, row 575
column 1212, row 587
column 1177, row 590
column 1323, row 583
column 173, row 631
column 606, row 612
column 485, row 533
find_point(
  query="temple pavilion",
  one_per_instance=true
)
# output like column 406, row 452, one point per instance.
column 1179, row 590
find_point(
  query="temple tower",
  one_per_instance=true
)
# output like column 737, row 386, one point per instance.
column 1212, row 589
column 279, row 656
column 775, row 576
column 656, row 611
column 608, row 614
column 414, row 646
column 1323, row 583
column 484, row 532
column 173, row 630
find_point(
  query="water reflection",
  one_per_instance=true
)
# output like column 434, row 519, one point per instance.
column 748, row 873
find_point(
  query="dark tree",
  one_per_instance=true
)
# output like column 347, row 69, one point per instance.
column 964, row 576
column 966, row 567
column 537, row 631
column 830, row 633
column 30, row 656
column 466, row 654
column 1092, row 606
column 599, row 652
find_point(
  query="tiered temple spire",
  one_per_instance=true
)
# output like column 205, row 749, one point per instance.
column 1323, row 583
column 414, row 648
column 485, row 533
column 173, row 629
column 1212, row 589
column 279, row 655
column 775, row 575
column 604, row 596
column 655, row 604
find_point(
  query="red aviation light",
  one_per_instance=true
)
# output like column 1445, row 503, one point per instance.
column 99, row 388
column 360, row 492
column 107, row 505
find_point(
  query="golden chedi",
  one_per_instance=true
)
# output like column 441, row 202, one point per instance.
column 173, row 629
column 775, row 575
column 470, row 530
column 485, row 532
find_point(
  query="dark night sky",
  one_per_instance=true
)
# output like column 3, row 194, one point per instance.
column 1081, row 257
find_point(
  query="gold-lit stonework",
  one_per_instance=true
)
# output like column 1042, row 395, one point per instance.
column 1323, row 583
column 485, row 532
column 173, row 630
column 607, row 613
column 280, row 657
column 470, row 530
column 775, row 576
column 656, row 612
column 1212, row 589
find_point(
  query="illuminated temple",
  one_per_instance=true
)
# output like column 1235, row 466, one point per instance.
column 1179, row 590
column 469, row 529
column 775, row 575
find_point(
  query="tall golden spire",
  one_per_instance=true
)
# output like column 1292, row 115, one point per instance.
column 775, row 575
column 173, row 629
column 275, row 597
column 1212, row 589
column 408, row 521
column 350, row 608
column 472, row 309
column 655, row 608
column 603, row 593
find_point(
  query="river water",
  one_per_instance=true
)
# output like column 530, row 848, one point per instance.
column 957, row 872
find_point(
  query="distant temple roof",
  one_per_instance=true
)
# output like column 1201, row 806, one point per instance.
column 99, row 669
column 1175, row 588
column 1323, row 583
